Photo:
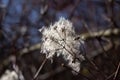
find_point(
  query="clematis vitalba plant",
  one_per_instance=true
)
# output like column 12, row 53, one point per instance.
column 59, row 39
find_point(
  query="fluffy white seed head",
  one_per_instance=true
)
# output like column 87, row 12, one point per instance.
column 59, row 39
column 9, row 75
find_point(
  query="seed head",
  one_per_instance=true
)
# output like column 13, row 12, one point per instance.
column 59, row 39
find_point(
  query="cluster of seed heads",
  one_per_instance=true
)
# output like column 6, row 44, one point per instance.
column 60, row 39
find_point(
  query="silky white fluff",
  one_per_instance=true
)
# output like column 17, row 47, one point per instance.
column 9, row 75
column 12, row 75
column 59, row 39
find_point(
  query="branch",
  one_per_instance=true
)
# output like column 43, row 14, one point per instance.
column 85, row 36
column 103, row 33
column 116, row 72
column 29, row 49
column 40, row 68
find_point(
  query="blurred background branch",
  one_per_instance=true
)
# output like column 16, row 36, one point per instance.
column 19, row 36
column 108, row 33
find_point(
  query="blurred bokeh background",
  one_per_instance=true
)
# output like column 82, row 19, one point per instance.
column 21, row 19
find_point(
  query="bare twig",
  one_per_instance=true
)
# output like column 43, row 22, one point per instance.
column 32, row 48
column 73, row 10
column 41, row 66
column 116, row 73
column 107, row 33
column 110, row 76
column 96, row 67
column 51, row 73
column 58, row 70
column 110, row 4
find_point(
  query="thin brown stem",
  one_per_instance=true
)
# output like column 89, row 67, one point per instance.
column 67, row 67
column 116, row 72
column 110, row 76
column 40, row 68
column 96, row 67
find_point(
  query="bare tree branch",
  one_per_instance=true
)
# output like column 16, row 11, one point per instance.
column 116, row 72
column 85, row 36
column 41, row 66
